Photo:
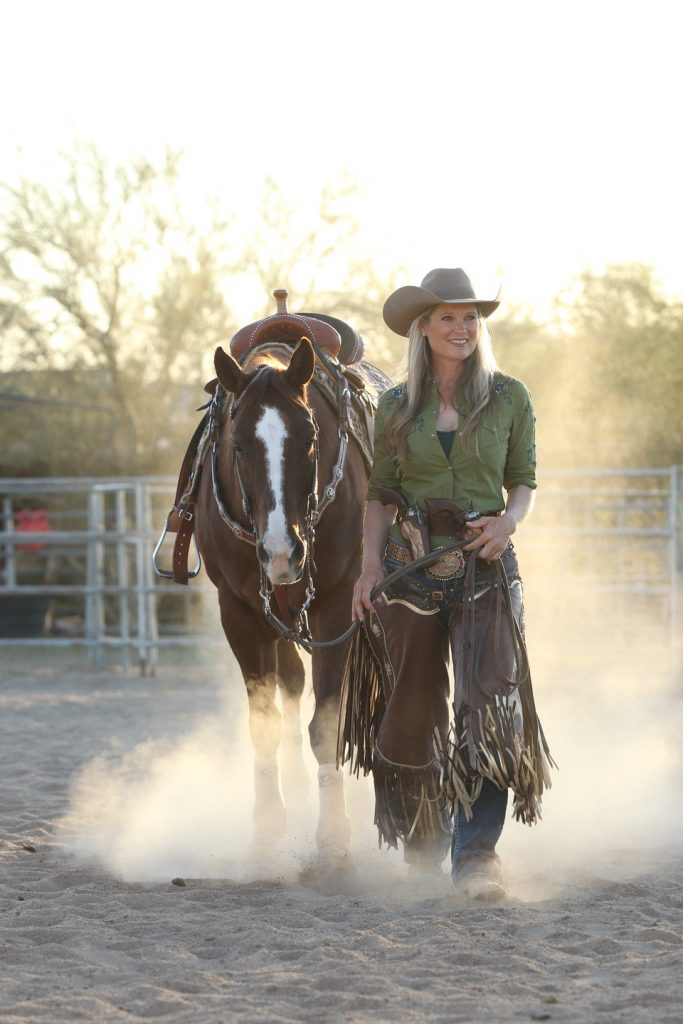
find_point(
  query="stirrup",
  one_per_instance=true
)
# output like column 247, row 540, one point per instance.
column 167, row 574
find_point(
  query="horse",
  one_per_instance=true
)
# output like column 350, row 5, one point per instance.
column 264, row 533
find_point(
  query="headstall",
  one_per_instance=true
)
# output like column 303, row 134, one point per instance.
column 299, row 632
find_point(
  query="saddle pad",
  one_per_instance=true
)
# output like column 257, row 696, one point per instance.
column 368, row 385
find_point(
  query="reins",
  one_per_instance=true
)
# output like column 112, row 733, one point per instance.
column 315, row 507
column 419, row 563
column 299, row 633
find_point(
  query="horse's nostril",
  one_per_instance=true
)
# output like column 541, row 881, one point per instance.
column 261, row 552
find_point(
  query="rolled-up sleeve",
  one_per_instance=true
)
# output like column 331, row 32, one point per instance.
column 520, row 465
column 384, row 468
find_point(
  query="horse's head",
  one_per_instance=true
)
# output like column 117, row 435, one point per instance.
column 274, row 446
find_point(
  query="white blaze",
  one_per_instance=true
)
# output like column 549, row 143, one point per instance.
column 271, row 430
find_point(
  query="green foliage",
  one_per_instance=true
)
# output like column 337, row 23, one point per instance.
column 606, row 375
column 63, row 428
column 112, row 301
column 316, row 259
column 627, row 349
column 106, row 283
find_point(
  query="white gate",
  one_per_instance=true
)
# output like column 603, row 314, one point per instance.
column 91, row 571
column 88, row 579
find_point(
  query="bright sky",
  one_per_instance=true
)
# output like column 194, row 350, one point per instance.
column 522, row 139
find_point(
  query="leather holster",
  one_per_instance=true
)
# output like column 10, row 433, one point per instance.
column 412, row 521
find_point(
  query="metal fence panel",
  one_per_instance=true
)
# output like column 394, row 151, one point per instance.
column 93, row 570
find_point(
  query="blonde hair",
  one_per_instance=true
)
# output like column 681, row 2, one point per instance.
column 474, row 385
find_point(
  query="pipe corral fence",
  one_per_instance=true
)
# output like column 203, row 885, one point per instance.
column 76, row 559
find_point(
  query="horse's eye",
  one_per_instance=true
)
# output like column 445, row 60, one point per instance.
column 237, row 448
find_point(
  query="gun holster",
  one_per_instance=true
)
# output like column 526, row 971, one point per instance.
column 412, row 521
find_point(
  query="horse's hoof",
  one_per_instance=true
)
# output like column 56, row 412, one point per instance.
column 334, row 835
column 329, row 873
column 267, row 838
column 270, row 825
column 334, row 853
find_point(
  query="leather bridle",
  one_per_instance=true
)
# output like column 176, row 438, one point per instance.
column 298, row 631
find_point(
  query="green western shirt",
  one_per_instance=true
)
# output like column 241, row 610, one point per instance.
column 507, row 453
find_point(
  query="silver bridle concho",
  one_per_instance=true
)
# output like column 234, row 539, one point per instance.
column 314, row 507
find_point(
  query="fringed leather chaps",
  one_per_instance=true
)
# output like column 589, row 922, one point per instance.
column 395, row 710
column 409, row 805
column 394, row 719
column 495, row 733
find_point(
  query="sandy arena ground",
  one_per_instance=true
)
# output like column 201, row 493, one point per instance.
column 114, row 785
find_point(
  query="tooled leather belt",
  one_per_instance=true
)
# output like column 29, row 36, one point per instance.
column 450, row 567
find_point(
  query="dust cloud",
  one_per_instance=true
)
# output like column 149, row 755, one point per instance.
column 182, row 806
column 607, row 682
column 165, row 808
column 608, row 692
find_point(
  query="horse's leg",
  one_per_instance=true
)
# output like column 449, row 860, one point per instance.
column 333, row 833
column 265, row 727
column 256, row 652
column 291, row 678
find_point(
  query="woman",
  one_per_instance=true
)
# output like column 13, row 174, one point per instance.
column 448, row 442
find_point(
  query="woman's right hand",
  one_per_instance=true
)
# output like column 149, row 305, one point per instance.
column 371, row 575
column 378, row 518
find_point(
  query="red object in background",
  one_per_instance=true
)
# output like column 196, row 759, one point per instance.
column 32, row 520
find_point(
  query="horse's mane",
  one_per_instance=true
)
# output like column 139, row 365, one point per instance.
column 276, row 356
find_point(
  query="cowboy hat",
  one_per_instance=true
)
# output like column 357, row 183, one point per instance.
column 405, row 304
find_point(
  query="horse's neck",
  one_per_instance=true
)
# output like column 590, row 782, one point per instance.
column 226, row 457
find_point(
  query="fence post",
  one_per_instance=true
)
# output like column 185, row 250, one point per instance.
column 122, row 576
column 94, row 608
column 10, row 556
column 140, row 577
column 150, row 583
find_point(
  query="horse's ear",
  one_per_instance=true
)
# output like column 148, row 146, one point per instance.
column 228, row 371
column 300, row 369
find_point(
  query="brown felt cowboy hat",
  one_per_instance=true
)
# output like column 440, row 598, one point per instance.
column 405, row 304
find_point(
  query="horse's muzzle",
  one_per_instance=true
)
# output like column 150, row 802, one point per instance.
column 282, row 568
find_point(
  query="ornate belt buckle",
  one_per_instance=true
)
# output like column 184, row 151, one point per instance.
column 450, row 567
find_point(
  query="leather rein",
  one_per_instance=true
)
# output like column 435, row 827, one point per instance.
column 299, row 632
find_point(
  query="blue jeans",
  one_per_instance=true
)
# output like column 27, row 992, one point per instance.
column 477, row 838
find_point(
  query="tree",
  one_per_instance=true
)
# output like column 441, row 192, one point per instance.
column 606, row 375
column 538, row 356
column 106, row 282
column 102, row 275
column 316, row 258
column 626, row 344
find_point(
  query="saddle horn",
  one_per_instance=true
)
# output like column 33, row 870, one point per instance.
column 286, row 327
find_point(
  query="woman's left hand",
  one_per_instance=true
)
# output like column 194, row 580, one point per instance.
column 493, row 535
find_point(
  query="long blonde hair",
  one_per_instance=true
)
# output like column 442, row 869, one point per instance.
column 473, row 385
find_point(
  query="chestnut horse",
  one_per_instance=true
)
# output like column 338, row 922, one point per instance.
column 277, row 436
